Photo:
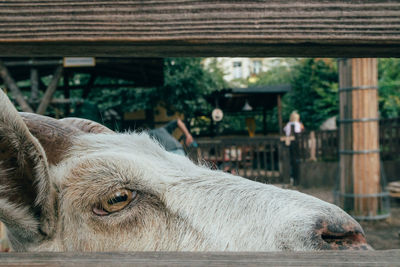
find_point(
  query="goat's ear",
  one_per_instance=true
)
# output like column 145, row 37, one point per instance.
column 26, row 197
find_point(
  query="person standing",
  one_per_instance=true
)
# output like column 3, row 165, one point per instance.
column 295, row 122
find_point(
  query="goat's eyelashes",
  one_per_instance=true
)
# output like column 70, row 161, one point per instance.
column 114, row 202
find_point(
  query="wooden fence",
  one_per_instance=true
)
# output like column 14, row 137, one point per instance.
column 323, row 145
column 316, row 258
column 389, row 138
column 269, row 160
column 259, row 159
column 316, row 145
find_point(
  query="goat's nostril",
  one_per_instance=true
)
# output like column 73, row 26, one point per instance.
column 342, row 237
column 349, row 238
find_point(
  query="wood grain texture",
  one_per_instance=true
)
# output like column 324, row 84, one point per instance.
column 199, row 28
column 366, row 167
column 320, row 258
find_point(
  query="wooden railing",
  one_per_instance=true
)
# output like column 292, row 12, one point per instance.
column 259, row 159
column 389, row 138
column 323, row 145
column 316, row 145
column 286, row 258
column 269, row 160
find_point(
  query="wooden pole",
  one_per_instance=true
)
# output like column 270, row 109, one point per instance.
column 359, row 136
column 89, row 85
column 280, row 114
column 34, row 85
column 66, row 94
column 10, row 83
column 50, row 91
column 345, row 135
column 264, row 121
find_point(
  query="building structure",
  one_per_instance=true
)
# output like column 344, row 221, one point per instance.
column 251, row 101
column 34, row 81
column 236, row 69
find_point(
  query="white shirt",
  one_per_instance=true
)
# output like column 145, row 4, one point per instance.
column 288, row 127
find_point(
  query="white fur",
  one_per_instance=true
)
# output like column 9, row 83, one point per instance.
column 214, row 210
column 179, row 206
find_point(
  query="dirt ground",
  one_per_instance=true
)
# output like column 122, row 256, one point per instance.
column 381, row 234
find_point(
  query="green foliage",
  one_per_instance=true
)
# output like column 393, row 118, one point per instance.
column 122, row 99
column 107, row 105
column 275, row 76
column 279, row 73
column 236, row 124
column 389, row 87
column 185, row 83
column 314, row 92
column 216, row 75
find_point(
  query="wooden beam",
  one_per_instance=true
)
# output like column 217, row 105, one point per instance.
column 317, row 258
column 36, row 62
column 202, row 48
column 51, row 88
column 33, row 62
column 66, row 101
column 94, row 86
column 330, row 28
column 10, row 83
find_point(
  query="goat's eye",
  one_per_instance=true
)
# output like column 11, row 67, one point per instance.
column 114, row 202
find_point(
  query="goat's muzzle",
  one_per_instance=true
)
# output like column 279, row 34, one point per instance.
column 348, row 236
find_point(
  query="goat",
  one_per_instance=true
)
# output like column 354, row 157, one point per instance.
column 75, row 185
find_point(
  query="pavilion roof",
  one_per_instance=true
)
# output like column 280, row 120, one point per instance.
column 258, row 97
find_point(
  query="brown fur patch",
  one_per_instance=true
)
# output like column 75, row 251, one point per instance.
column 54, row 136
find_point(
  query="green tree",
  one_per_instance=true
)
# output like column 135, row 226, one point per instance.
column 314, row 91
column 389, row 87
column 185, row 85
column 279, row 73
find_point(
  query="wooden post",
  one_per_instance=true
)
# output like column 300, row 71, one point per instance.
column 312, row 144
column 284, row 163
column 9, row 81
column 66, row 93
column 89, row 85
column 34, row 86
column 50, row 91
column 359, row 137
column 280, row 115
column 264, row 121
